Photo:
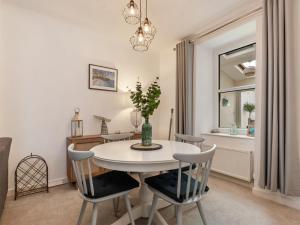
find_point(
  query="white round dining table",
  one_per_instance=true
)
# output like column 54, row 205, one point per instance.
column 119, row 156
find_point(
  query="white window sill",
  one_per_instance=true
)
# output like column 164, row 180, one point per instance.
column 229, row 136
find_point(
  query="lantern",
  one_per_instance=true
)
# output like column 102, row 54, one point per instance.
column 76, row 125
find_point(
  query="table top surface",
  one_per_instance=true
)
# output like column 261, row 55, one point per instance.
column 121, row 152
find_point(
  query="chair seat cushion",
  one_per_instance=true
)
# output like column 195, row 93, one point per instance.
column 166, row 183
column 110, row 183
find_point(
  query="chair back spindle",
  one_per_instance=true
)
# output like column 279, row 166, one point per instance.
column 91, row 178
column 188, row 186
column 203, row 163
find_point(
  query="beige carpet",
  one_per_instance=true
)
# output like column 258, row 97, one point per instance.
column 226, row 204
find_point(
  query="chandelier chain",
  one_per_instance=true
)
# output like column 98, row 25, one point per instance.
column 140, row 13
column 146, row 8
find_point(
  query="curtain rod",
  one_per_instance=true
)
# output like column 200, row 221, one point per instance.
column 207, row 33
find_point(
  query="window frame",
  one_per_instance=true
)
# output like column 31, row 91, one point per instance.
column 231, row 89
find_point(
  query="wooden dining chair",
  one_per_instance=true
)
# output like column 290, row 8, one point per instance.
column 182, row 188
column 112, row 138
column 99, row 188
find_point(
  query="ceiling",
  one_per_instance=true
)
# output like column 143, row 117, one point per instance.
column 174, row 19
column 234, row 35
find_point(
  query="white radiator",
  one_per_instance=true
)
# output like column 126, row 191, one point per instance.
column 233, row 157
column 234, row 163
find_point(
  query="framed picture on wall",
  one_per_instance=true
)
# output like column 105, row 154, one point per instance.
column 103, row 78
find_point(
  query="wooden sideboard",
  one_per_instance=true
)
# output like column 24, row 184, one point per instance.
column 85, row 143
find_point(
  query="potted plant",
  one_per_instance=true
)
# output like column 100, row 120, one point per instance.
column 249, row 107
column 146, row 103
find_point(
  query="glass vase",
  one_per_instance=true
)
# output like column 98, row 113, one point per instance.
column 146, row 133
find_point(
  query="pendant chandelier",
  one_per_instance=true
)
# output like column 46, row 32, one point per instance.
column 145, row 33
column 131, row 13
column 148, row 28
column 138, row 41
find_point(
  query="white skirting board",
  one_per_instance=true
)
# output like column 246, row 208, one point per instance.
column 290, row 201
column 52, row 183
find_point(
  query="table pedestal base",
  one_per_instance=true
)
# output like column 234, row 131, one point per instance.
column 143, row 209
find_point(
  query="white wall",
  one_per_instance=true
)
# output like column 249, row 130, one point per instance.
column 167, row 62
column 2, row 94
column 44, row 76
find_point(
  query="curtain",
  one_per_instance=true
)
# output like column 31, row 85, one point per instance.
column 184, row 87
column 279, row 165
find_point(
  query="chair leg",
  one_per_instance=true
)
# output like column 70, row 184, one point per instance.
column 128, row 206
column 116, row 202
column 179, row 215
column 95, row 214
column 201, row 212
column 153, row 209
column 81, row 212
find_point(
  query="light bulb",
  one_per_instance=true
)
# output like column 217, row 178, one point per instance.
column 141, row 37
column 146, row 27
column 132, row 10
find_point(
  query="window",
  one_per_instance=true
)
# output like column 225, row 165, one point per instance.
column 237, row 72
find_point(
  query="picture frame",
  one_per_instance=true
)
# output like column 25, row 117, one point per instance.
column 103, row 78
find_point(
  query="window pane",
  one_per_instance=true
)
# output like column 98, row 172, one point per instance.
column 237, row 67
column 231, row 105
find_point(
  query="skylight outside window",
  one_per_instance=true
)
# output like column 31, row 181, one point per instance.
column 251, row 64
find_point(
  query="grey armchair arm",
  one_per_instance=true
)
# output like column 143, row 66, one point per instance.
column 5, row 144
